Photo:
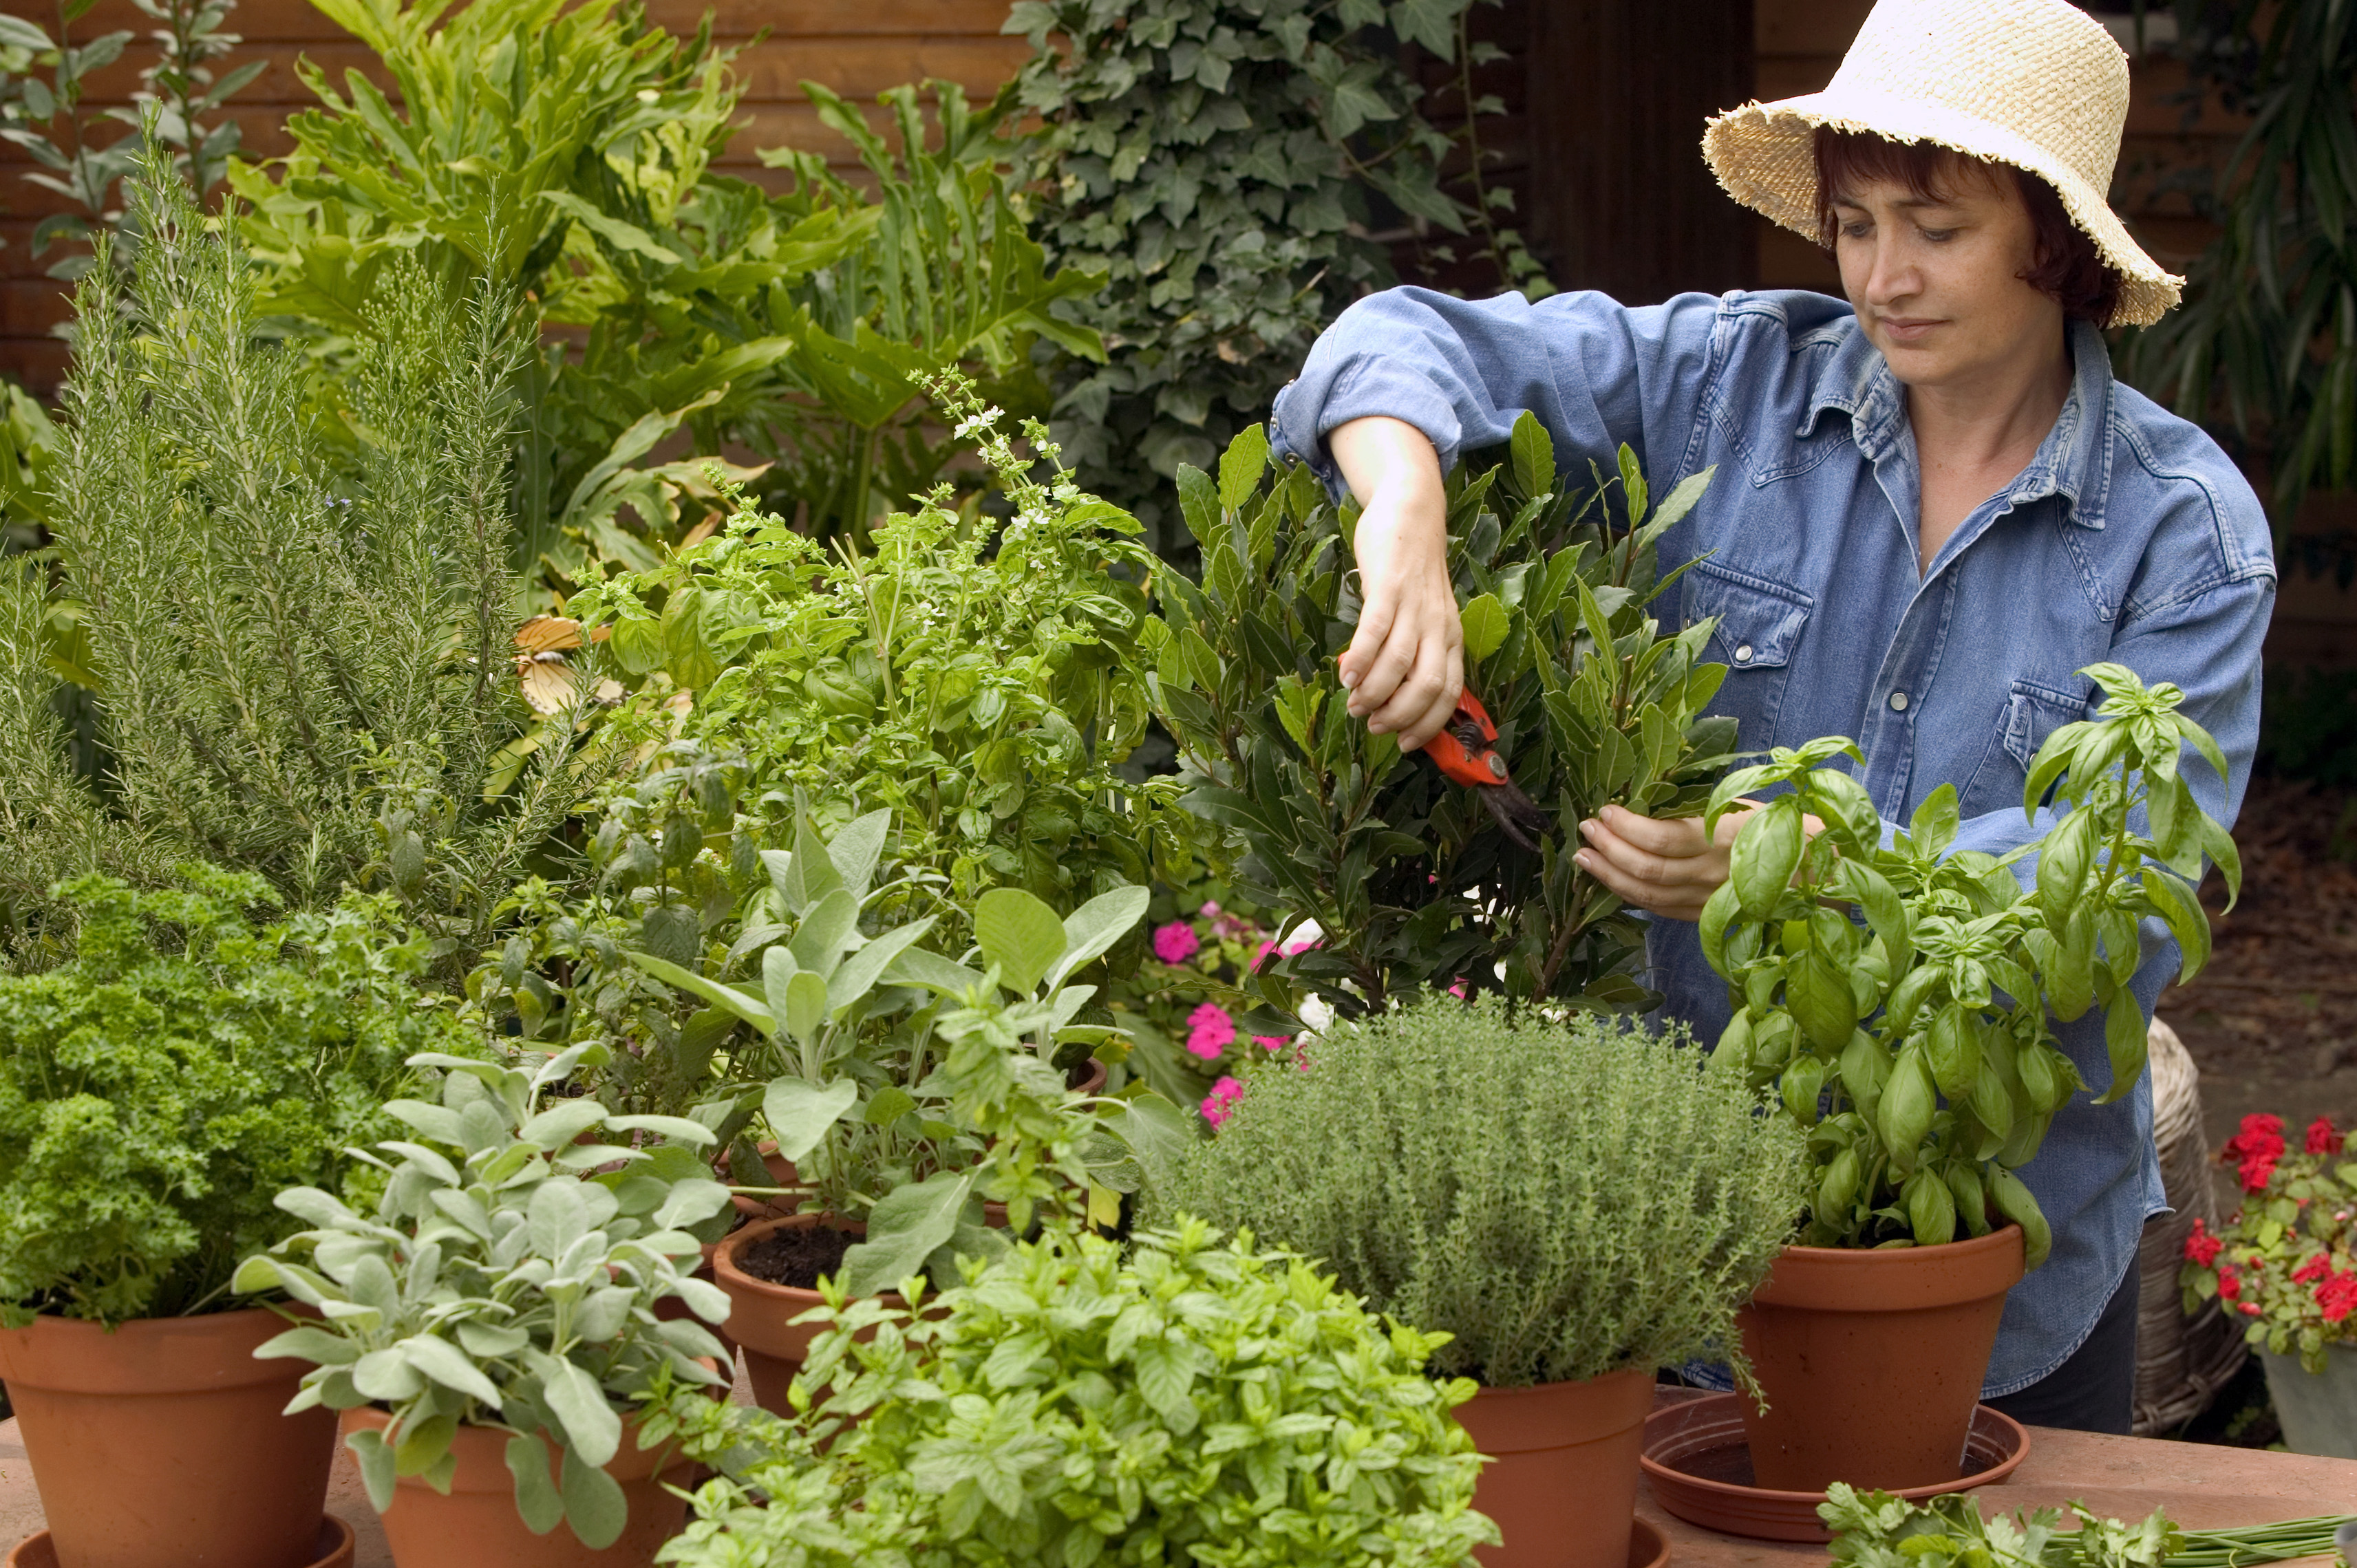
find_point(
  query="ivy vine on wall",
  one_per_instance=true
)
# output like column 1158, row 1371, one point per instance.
column 1226, row 163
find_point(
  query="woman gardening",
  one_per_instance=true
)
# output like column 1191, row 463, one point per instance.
column 1952, row 509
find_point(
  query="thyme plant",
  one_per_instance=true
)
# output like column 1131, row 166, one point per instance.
column 1562, row 1199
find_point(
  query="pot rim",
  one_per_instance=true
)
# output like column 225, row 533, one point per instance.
column 147, row 1356
column 1904, row 1279
column 1542, row 1417
column 730, row 1277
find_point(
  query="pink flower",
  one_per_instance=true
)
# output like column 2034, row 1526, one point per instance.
column 1220, row 1102
column 1209, row 1030
column 1301, row 945
column 2322, row 1137
column 1271, row 1042
column 1176, row 942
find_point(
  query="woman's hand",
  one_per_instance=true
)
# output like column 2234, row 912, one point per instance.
column 1406, row 668
column 1666, row 866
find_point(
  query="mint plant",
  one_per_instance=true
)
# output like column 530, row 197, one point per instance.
column 1182, row 1399
column 492, row 1285
column 1901, row 996
column 187, row 1063
column 1412, row 883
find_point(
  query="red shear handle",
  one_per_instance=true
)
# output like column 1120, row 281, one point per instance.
column 1461, row 749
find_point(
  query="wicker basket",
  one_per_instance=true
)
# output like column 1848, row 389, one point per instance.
column 2180, row 1360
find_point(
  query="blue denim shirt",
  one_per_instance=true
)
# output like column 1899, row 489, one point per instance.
column 2130, row 537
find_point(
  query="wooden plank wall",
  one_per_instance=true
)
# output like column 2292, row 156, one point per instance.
column 856, row 46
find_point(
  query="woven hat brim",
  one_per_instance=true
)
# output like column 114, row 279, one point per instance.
column 1765, row 157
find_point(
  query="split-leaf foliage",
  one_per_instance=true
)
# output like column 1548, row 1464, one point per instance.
column 298, row 645
column 1901, row 996
column 1411, row 881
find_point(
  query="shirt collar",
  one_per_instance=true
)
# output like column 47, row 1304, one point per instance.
column 2075, row 461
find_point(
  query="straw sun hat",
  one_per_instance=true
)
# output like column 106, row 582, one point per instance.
column 2035, row 83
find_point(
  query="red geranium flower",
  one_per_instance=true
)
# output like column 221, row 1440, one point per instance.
column 2319, row 1267
column 2230, row 1283
column 2337, row 1296
column 2202, row 1248
column 2322, row 1138
column 2254, row 1150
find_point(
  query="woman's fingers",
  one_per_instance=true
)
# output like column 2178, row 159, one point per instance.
column 1405, row 664
column 1666, row 866
column 1427, row 696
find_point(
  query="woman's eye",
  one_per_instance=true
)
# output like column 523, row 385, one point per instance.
column 1856, row 231
column 1938, row 236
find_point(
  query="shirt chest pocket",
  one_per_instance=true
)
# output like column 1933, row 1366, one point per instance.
column 2032, row 713
column 1758, row 637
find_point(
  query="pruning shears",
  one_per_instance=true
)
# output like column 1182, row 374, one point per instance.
column 1465, row 751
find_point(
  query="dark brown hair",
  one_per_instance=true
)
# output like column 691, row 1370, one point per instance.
column 2064, row 265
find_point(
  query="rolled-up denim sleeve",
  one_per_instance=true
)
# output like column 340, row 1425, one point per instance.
column 1595, row 373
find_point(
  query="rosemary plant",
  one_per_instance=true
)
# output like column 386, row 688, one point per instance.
column 297, row 635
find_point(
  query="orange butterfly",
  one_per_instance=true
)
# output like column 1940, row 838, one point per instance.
column 548, row 683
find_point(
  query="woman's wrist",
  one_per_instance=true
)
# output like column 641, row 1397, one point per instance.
column 1382, row 456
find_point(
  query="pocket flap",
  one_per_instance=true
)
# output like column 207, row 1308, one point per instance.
column 2032, row 712
column 1759, row 622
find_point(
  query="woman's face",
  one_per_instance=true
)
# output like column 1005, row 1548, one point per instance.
column 1936, row 283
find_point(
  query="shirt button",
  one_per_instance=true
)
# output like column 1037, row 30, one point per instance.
column 1743, row 654
column 1897, row 701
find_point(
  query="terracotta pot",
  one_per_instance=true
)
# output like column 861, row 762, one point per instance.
column 477, row 1525
column 761, row 1314
column 162, row 1444
column 1872, row 1360
column 1563, row 1486
column 335, row 1547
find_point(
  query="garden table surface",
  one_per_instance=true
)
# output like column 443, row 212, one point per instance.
column 2199, row 1486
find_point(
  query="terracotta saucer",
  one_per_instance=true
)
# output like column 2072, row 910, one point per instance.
column 1648, row 1547
column 1700, row 1469
column 336, row 1549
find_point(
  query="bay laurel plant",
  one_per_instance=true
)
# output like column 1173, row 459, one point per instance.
column 1903, row 997
column 1408, row 878
column 1558, row 1197
column 295, row 641
column 186, row 1064
column 492, row 1285
column 1184, row 1399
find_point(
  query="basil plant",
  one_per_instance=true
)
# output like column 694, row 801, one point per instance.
column 1903, row 997
column 852, row 1067
column 495, row 1286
